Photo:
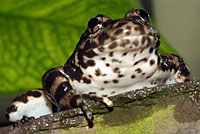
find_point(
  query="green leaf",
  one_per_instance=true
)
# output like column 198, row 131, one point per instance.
column 36, row 35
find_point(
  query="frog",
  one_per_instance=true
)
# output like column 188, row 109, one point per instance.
column 112, row 57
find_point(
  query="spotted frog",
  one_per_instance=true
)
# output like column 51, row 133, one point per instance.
column 112, row 57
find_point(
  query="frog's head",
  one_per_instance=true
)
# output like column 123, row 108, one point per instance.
column 104, row 35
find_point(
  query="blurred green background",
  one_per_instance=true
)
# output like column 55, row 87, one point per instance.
column 36, row 35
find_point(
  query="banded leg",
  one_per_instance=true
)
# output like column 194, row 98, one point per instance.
column 172, row 61
column 63, row 94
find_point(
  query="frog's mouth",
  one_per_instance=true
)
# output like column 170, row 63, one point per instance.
column 132, row 43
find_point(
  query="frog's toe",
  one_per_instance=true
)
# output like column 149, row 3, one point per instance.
column 90, row 124
column 15, row 124
column 90, row 119
column 108, row 103
column 24, row 119
column 88, row 114
column 31, row 118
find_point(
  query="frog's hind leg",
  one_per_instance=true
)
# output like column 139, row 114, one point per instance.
column 28, row 105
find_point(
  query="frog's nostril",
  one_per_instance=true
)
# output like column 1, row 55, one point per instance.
column 153, row 30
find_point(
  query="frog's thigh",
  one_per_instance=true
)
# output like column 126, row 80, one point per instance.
column 33, row 103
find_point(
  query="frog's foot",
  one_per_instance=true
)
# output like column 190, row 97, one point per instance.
column 23, row 120
column 78, row 101
column 108, row 103
column 26, row 119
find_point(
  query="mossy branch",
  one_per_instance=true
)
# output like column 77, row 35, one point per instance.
column 130, row 107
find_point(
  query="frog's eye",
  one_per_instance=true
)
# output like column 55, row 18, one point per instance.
column 94, row 24
column 138, row 14
column 144, row 15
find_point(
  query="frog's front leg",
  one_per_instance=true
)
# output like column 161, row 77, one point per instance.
column 60, row 89
column 176, row 65
column 78, row 101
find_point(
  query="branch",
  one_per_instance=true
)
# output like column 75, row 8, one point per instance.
column 147, row 97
